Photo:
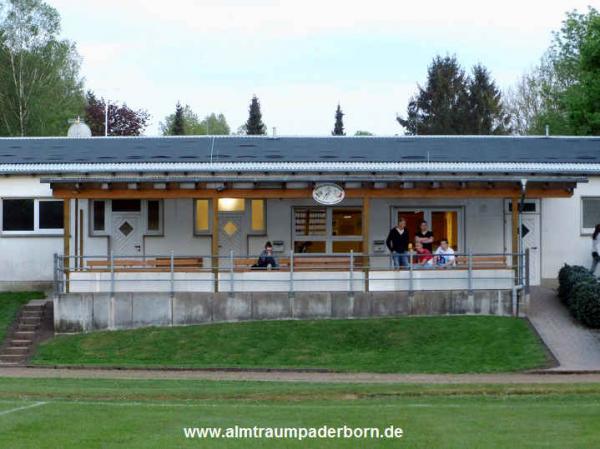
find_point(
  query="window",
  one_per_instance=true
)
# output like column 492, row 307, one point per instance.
column 126, row 205
column 17, row 215
column 590, row 214
column 347, row 222
column 98, row 220
column 30, row 215
column 327, row 229
column 202, row 218
column 154, row 222
column 258, row 216
column 51, row 215
column 444, row 224
column 232, row 205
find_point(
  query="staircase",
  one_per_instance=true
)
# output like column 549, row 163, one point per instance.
column 33, row 323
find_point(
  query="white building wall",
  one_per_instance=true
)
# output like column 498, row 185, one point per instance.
column 562, row 240
column 26, row 258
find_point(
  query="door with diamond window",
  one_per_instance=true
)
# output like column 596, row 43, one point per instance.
column 231, row 234
column 126, row 234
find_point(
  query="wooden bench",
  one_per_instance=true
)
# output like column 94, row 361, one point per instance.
column 483, row 262
column 151, row 265
column 301, row 263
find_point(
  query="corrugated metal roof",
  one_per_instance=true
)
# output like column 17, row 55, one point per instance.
column 236, row 153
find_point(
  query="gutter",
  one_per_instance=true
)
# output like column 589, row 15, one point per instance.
column 318, row 167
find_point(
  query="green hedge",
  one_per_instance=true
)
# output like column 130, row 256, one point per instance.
column 579, row 290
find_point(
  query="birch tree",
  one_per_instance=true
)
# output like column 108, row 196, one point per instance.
column 40, row 87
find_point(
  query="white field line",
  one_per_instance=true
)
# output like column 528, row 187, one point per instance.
column 24, row 407
column 295, row 406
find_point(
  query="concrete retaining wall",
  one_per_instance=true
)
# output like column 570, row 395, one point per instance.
column 83, row 312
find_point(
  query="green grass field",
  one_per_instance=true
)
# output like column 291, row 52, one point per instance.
column 129, row 414
column 9, row 306
column 457, row 344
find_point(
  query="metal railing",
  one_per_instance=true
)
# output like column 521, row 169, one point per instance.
column 349, row 272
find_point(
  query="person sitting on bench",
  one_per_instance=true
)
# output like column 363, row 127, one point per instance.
column 444, row 255
column 423, row 256
column 266, row 259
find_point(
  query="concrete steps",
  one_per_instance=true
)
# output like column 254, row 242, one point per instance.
column 20, row 341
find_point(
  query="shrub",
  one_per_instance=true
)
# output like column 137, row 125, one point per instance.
column 585, row 303
column 569, row 277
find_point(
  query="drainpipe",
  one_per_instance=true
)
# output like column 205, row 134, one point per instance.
column 522, row 269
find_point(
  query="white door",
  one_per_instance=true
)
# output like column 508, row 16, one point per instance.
column 231, row 235
column 126, row 234
column 531, row 233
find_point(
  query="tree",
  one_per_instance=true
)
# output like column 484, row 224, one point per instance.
column 441, row 107
column 454, row 103
column 191, row 123
column 363, row 133
column 338, row 127
column 582, row 98
column 40, row 86
column 122, row 120
column 254, row 125
column 178, row 126
column 212, row 124
column 215, row 125
column 486, row 114
column 551, row 94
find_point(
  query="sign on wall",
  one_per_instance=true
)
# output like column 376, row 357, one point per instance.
column 328, row 194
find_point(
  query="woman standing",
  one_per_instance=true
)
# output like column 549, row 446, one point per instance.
column 595, row 248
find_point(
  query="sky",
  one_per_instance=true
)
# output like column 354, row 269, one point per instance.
column 301, row 58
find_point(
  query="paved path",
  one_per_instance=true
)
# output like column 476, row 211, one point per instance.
column 520, row 378
column 574, row 346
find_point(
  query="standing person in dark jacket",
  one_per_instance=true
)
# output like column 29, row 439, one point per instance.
column 397, row 242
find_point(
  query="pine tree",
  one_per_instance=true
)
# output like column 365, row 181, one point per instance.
column 441, row 107
column 486, row 111
column 255, row 126
column 338, row 128
column 178, row 126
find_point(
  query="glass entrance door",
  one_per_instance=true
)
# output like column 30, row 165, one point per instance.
column 445, row 223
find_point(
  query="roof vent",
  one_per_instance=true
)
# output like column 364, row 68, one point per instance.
column 78, row 129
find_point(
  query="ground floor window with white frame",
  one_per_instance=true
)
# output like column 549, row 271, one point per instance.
column 32, row 216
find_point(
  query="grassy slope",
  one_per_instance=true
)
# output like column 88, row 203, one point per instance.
column 9, row 306
column 415, row 344
column 127, row 414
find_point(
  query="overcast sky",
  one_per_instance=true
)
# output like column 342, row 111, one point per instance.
column 299, row 57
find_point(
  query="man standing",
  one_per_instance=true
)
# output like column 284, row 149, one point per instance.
column 425, row 236
column 397, row 242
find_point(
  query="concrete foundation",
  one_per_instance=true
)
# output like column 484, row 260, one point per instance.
column 84, row 312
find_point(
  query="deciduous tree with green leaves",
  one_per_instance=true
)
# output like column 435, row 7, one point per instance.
column 560, row 91
column 213, row 124
column 40, row 86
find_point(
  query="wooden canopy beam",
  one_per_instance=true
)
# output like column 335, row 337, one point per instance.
column 562, row 191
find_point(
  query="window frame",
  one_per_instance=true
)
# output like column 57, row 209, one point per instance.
column 207, row 231
column 37, row 231
column 427, row 211
column 256, row 232
column 328, row 237
column 161, row 218
column 583, row 231
column 106, row 232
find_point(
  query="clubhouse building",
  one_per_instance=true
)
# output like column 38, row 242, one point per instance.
column 166, row 230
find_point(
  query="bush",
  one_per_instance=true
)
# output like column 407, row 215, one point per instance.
column 585, row 303
column 570, row 276
column 580, row 292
